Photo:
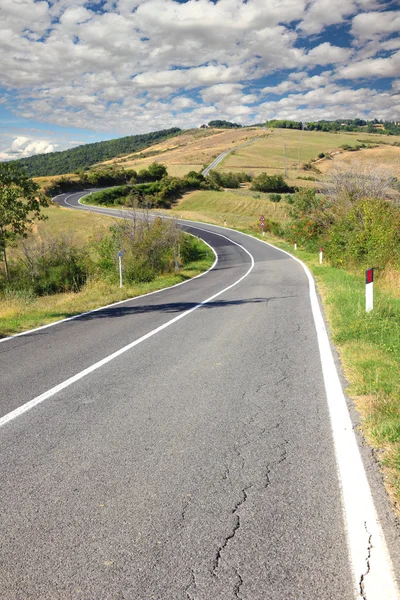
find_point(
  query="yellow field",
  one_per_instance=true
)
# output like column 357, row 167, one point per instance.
column 384, row 155
column 268, row 154
column 192, row 150
column 239, row 208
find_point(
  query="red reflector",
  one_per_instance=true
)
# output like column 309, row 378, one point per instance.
column 369, row 275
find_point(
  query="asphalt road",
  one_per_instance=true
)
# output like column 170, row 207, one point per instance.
column 224, row 154
column 196, row 465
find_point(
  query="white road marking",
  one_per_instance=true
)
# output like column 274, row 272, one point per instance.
column 39, row 399
column 365, row 536
column 28, row 331
column 369, row 556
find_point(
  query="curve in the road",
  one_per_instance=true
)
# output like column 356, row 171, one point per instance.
column 371, row 565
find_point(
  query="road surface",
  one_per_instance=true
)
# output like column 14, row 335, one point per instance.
column 180, row 448
column 224, row 154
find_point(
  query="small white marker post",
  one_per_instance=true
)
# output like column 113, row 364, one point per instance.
column 320, row 256
column 369, row 290
column 295, row 245
column 225, row 223
column 262, row 223
column 120, row 253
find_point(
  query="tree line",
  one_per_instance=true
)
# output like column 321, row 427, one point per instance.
column 361, row 125
column 83, row 157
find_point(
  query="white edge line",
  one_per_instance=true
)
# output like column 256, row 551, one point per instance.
column 368, row 552
column 39, row 399
column 29, row 331
column 364, row 532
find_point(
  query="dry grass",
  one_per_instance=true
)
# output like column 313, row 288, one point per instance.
column 301, row 147
column 190, row 151
column 23, row 313
column 239, row 208
column 383, row 155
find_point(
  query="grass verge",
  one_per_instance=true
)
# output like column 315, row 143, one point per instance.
column 19, row 313
column 369, row 348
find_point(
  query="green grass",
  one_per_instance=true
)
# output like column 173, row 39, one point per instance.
column 301, row 147
column 368, row 344
column 19, row 313
column 64, row 220
column 239, row 208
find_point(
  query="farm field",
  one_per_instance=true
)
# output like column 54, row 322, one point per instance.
column 239, row 208
column 384, row 155
column 189, row 151
column 81, row 225
column 267, row 154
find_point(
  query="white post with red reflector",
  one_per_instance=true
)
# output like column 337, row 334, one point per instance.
column 320, row 256
column 369, row 289
column 262, row 223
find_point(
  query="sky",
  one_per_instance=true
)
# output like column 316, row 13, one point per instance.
column 78, row 71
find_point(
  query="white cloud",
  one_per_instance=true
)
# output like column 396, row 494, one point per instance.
column 133, row 65
column 24, row 146
column 378, row 67
column 366, row 26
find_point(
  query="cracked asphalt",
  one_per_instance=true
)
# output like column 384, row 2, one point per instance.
column 197, row 466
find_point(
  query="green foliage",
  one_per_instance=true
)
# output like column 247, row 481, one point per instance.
column 20, row 205
column 220, row 124
column 367, row 235
column 321, row 155
column 219, row 179
column 99, row 178
column 148, row 250
column 48, row 266
column 82, row 157
column 275, row 197
column 109, row 196
column 284, row 124
column 310, row 218
column 270, row 183
column 161, row 193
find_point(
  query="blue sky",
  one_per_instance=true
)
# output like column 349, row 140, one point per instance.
column 75, row 71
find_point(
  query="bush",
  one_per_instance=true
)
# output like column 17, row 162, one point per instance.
column 270, row 183
column 321, row 155
column 310, row 216
column 50, row 266
column 275, row 197
column 368, row 235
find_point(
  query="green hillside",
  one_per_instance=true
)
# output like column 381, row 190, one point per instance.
column 82, row 157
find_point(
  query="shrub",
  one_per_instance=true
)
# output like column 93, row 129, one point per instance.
column 52, row 265
column 270, row 183
column 368, row 235
column 275, row 197
column 321, row 155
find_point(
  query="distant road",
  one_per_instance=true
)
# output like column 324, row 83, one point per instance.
column 223, row 155
column 181, row 448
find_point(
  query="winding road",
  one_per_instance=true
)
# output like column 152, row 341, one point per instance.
column 190, row 444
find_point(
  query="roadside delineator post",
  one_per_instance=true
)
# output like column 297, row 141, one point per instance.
column 320, row 256
column 262, row 223
column 120, row 254
column 295, row 245
column 369, row 289
column 225, row 222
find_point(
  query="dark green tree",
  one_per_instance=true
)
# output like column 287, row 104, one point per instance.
column 20, row 203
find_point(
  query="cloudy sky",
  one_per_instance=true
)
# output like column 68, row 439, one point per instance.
column 77, row 71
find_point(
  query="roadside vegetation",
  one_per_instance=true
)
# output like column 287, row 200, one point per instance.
column 355, row 218
column 49, row 273
column 349, row 208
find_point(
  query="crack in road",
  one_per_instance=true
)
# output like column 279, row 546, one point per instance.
column 367, row 560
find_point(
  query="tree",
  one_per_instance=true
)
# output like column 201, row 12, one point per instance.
column 20, row 204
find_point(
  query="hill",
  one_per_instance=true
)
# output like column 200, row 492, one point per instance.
column 271, row 150
column 83, row 157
